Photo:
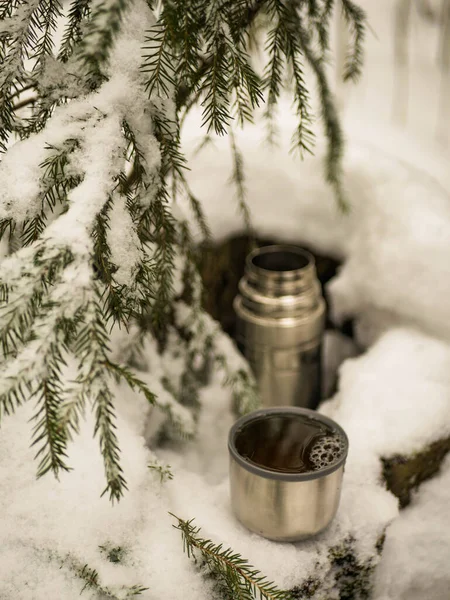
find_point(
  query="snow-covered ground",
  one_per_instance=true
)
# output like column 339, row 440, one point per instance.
column 394, row 398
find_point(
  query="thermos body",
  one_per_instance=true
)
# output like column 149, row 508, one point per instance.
column 280, row 322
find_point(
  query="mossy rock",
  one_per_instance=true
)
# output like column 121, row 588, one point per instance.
column 404, row 474
column 353, row 578
column 347, row 578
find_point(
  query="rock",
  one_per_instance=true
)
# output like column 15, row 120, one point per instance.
column 404, row 474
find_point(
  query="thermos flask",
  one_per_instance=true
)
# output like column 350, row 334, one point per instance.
column 280, row 322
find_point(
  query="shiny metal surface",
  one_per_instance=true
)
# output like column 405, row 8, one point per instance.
column 278, row 505
column 280, row 321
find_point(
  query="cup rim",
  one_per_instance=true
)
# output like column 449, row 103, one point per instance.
column 281, row 476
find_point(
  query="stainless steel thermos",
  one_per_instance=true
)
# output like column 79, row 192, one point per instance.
column 280, row 322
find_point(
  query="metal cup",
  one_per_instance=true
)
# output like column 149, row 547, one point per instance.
column 280, row 503
column 280, row 320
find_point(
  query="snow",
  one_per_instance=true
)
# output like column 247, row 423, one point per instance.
column 124, row 243
column 422, row 571
column 392, row 399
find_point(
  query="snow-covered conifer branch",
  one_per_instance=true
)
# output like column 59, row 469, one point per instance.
column 101, row 29
column 78, row 12
column 70, row 278
column 87, row 194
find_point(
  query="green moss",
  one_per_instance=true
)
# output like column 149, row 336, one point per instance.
column 353, row 578
column 404, row 474
column 113, row 554
column 307, row 589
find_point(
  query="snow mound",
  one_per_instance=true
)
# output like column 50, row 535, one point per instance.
column 421, row 572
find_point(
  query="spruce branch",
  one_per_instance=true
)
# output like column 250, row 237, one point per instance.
column 199, row 215
column 356, row 19
column 219, row 74
column 204, row 334
column 95, row 45
column 333, row 164
column 216, row 104
column 323, row 25
column 243, row 386
column 48, row 13
column 238, row 179
column 159, row 60
column 90, row 579
column 233, row 574
column 78, row 12
column 91, row 348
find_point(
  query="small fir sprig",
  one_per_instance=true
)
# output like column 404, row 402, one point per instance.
column 163, row 471
column 233, row 576
column 91, row 581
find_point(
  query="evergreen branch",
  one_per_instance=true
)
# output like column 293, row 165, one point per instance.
column 199, row 215
column 158, row 226
column 49, row 432
column 48, row 13
column 333, row 166
column 356, row 19
column 247, row 87
column 273, row 75
column 91, row 349
column 204, row 333
column 5, row 225
column 246, row 17
column 32, row 331
column 135, row 156
column 96, row 43
column 238, row 179
column 56, row 185
column 189, row 25
column 167, row 132
column 323, row 25
column 233, row 573
column 168, row 406
column 17, row 314
column 109, row 445
column 313, row 8
column 78, row 12
column 14, row 50
column 243, row 386
column 216, row 111
column 91, row 580
column 159, row 61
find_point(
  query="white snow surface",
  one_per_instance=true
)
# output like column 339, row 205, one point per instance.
column 414, row 565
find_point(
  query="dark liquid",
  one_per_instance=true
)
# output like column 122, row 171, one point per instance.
column 289, row 444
